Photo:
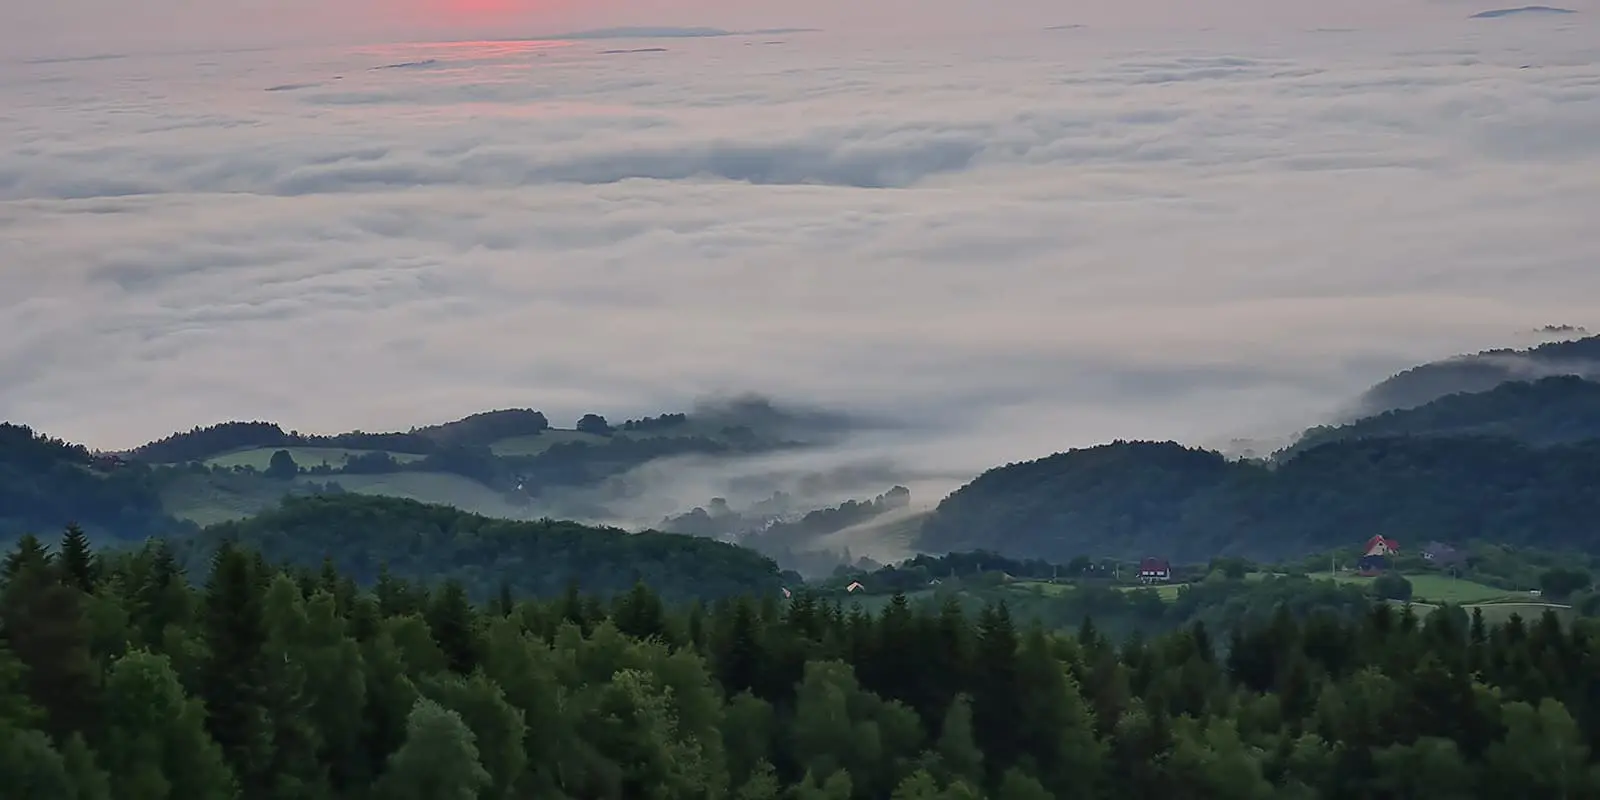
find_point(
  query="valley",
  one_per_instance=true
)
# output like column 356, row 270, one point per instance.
column 1463, row 450
column 465, row 574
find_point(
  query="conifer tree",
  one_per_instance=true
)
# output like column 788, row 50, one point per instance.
column 450, row 617
column 43, row 622
column 28, row 553
column 77, row 560
column 234, row 676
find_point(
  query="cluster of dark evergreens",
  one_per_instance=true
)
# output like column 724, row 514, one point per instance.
column 1556, row 410
column 119, row 679
column 365, row 536
column 1482, row 372
column 1133, row 499
column 198, row 444
column 45, row 482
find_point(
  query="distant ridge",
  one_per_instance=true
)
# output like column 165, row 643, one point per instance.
column 1512, row 12
column 1481, row 372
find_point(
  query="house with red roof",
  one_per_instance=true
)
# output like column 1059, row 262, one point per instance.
column 1375, row 556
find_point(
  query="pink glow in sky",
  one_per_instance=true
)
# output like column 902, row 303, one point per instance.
column 57, row 26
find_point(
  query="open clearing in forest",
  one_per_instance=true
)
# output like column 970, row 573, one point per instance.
column 1435, row 588
column 305, row 457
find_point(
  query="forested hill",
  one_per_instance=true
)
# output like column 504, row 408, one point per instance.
column 46, row 483
column 119, row 680
column 362, row 535
column 1135, row 499
column 1548, row 411
column 1481, row 372
column 477, row 430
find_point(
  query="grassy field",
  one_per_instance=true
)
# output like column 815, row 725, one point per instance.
column 209, row 499
column 306, row 457
column 534, row 445
column 1044, row 587
column 1436, row 588
column 1498, row 613
column 1429, row 590
column 434, row 487
column 1166, row 591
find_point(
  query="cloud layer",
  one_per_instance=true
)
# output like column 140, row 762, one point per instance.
column 1027, row 243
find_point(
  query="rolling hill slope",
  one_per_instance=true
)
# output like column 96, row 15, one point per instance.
column 1557, row 410
column 1133, row 499
column 1481, row 372
column 46, row 483
column 361, row 535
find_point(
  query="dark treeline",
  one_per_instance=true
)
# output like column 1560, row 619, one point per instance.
column 1556, row 410
column 363, row 536
column 1135, row 499
column 460, row 448
column 120, row 679
column 1482, row 372
column 45, row 482
column 201, row 443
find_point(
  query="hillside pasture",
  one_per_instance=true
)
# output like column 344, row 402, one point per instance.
column 210, row 499
column 306, row 457
column 540, row 442
column 1436, row 588
column 440, row 488
column 1045, row 588
column 1500, row 613
column 1165, row 591
column 222, row 497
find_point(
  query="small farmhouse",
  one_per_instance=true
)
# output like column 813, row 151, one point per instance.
column 1155, row 570
column 1375, row 557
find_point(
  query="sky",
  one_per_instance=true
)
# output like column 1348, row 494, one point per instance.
column 86, row 27
column 1026, row 240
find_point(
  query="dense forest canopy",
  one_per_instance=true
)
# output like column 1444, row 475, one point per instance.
column 46, row 483
column 341, row 645
column 1557, row 410
column 1482, row 372
column 119, row 678
column 1132, row 499
column 363, row 536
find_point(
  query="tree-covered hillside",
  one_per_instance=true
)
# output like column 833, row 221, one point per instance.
column 509, row 462
column 1547, row 411
column 1136, row 499
column 119, row 680
column 1481, row 372
column 362, row 536
column 46, row 484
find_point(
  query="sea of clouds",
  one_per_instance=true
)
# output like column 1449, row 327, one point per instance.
column 1019, row 243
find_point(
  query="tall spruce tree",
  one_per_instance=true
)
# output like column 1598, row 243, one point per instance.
column 233, row 680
